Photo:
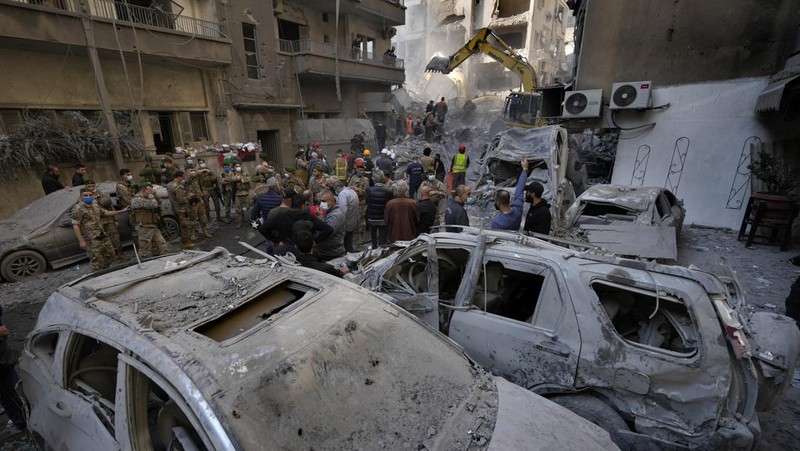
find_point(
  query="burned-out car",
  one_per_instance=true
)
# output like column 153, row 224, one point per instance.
column 204, row 350
column 40, row 235
column 548, row 157
column 628, row 220
column 657, row 355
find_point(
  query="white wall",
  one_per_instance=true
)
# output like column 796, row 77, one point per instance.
column 717, row 118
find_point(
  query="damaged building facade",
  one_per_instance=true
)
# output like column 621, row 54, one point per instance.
column 191, row 74
column 712, row 74
column 534, row 28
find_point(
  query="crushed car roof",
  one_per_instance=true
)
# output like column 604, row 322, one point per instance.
column 286, row 349
column 514, row 144
column 637, row 198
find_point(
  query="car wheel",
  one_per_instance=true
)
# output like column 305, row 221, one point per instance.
column 170, row 229
column 21, row 264
column 594, row 410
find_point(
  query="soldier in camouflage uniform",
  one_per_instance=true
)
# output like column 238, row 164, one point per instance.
column 318, row 182
column 197, row 211
column 438, row 193
column 124, row 186
column 359, row 183
column 228, row 186
column 210, row 184
column 292, row 181
column 244, row 201
column 146, row 214
column 180, row 197
column 109, row 223
column 86, row 216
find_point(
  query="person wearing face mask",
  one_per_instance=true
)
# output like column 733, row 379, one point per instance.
column 210, row 183
column 180, row 198
column 538, row 218
column 437, row 193
column 510, row 215
column 124, row 194
column 109, row 223
column 146, row 213
column 291, row 180
column 456, row 214
column 333, row 246
column 348, row 199
column 86, row 223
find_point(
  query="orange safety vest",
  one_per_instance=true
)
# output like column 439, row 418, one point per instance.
column 460, row 164
column 340, row 169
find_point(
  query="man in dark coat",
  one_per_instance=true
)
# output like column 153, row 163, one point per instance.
column 456, row 214
column 380, row 134
column 414, row 171
column 377, row 196
column 266, row 201
column 304, row 240
column 538, row 218
column 9, row 399
column 427, row 210
column 77, row 177
column 50, row 181
column 402, row 215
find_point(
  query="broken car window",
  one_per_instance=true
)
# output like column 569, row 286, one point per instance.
column 642, row 317
column 510, row 289
column 92, row 373
column 44, row 346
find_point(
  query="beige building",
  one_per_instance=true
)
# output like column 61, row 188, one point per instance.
column 534, row 28
column 191, row 73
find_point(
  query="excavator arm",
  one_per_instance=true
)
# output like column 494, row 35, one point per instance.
column 497, row 49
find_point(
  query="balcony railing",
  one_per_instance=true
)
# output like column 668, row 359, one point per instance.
column 303, row 46
column 125, row 12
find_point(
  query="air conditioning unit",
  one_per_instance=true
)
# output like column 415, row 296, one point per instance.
column 582, row 103
column 630, row 95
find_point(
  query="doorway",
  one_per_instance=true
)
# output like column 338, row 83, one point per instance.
column 163, row 135
column 271, row 146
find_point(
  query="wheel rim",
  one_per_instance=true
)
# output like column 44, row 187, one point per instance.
column 172, row 230
column 25, row 266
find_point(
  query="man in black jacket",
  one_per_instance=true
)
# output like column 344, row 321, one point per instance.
column 9, row 398
column 427, row 210
column 538, row 218
column 304, row 240
column 279, row 229
column 376, row 197
column 50, row 182
column 456, row 214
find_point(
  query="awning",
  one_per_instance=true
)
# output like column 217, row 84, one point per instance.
column 777, row 94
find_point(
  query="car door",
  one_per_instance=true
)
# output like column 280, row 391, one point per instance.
column 526, row 330
column 79, row 409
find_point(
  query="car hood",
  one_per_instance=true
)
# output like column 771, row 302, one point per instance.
column 629, row 197
column 14, row 233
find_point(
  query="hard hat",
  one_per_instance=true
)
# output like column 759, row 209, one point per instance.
column 366, row 152
column 385, row 150
column 315, row 145
column 462, row 149
column 359, row 162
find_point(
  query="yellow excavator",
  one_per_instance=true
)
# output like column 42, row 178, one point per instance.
column 521, row 107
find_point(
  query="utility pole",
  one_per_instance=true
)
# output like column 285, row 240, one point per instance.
column 100, row 82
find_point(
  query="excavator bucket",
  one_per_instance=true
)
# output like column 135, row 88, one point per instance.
column 439, row 64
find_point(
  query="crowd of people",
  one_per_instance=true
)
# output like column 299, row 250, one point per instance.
column 316, row 207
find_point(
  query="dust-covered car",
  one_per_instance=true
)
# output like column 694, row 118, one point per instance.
column 656, row 354
column 41, row 235
column 636, row 221
column 548, row 157
column 210, row 351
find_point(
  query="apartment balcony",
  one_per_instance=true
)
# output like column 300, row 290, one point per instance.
column 317, row 58
column 390, row 13
column 52, row 25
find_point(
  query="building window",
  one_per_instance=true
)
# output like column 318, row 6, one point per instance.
column 250, row 50
column 326, row 39
column 199, row 126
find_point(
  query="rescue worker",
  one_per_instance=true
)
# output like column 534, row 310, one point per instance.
column 209, row 182
column 86, row 216
column 265, row 170
column 369, row 166
column 197, row 211
column 109, row 223
column 244, row 200
column 385, row 164
column 179, row 196
column 146, row 214
column 339, row 167
column 458, row 166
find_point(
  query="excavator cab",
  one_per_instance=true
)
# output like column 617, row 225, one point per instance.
column 522, row 109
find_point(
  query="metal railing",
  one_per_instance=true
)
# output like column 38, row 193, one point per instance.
column 125, row 12
column 329, row 50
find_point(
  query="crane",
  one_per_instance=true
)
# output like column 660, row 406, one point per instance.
column 521, row 108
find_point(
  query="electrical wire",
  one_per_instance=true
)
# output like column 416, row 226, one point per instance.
column 638, row 127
